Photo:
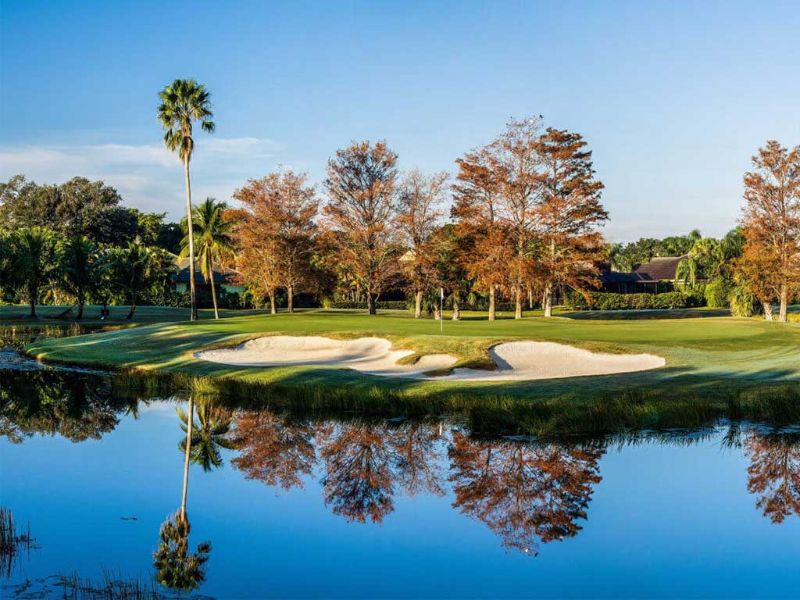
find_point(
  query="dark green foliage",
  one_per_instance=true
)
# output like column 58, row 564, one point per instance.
column 717, row 293
column 610, row 301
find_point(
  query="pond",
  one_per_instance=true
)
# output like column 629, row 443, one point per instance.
column 289, row 504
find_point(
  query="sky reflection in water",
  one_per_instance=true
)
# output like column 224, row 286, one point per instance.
column 298, row 506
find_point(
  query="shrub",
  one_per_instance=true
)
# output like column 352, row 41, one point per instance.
column 380, row 305
column 717, row 293
column 611, row 301
column 743, row 303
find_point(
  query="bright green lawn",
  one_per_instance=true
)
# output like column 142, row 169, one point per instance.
column 699, row 352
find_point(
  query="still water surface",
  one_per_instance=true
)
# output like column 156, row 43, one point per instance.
column 303, row 506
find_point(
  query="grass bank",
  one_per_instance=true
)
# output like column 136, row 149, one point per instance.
column 716, row 367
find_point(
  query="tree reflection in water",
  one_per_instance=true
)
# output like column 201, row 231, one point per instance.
column 76, row 406
column 525, row 493
column 176, row 567
column 774, row 473
column 275, row 449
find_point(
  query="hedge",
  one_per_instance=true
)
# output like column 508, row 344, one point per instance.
column 380, row 305
column 610, row 301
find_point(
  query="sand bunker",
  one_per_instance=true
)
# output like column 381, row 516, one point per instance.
column 369, row 355
column 516, row 361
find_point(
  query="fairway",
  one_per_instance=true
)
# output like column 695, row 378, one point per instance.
column 709, row 349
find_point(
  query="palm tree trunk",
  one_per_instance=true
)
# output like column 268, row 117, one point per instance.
column 213, row 288
column 133, row 308
column 492, row 303
column 530, row 295
column 518, row 301
column 81, row 304
column 456, row 308
column 186, row 458
column 418, row 304
column 290, row 298
column 272, row 309
column 32, row 296
column 190, row 235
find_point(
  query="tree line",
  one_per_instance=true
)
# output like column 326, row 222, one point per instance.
column 520, row 220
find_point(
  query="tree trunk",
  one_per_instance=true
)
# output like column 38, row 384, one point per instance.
column 133, row 308
column 518, row 302
column 213, row 289
column 190, row 235
column 33, row 304
column 784, row 303
column 371, row 304
column 767, row 310
column 81, row 304
column 272, row 309
column 418, row 304
column 456, row 309
column 548, row 300
column 492, row 308
column 290, row 298
column 189, row 426
column 437, row 315
column 530, row 296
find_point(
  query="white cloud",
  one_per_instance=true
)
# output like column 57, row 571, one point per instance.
column 147, row 176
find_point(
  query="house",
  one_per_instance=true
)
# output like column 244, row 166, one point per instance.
column 224, row 279
column 660, row 274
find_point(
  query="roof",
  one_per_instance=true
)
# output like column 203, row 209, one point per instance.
column 221, row 274
column 619, row 277
column 660, row 268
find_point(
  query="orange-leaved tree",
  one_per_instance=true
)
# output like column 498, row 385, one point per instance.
column 361, row 187
column 276, row 233
column 771, row 216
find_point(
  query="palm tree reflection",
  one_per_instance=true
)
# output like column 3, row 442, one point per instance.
column 177, row 567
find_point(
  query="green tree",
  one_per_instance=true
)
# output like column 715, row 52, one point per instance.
column 213, row 240
column 34, row 261
column 135, row 269
column 79, row 269
column 183, row 102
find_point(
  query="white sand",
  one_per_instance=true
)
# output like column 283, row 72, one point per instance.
column 516, row 361
column 369, row 355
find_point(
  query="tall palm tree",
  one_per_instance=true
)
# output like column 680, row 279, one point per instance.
column 183, row 102
column 209, row 434
column 213, row 240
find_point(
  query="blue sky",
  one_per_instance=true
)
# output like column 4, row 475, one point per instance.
column 673, row 97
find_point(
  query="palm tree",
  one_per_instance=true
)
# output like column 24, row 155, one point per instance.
column 208, row 435
column 183, row 102
column 33, row 261
column 133, row 270
column 187, row 445
column 213, row 240
column 78, row 269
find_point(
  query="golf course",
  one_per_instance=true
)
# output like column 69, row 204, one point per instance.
column 715, row 366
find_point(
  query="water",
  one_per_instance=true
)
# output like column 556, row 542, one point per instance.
column 298, row 505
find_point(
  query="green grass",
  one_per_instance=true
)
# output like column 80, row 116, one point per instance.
column 713, row 347
column 50, row 314
column 716, row 367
